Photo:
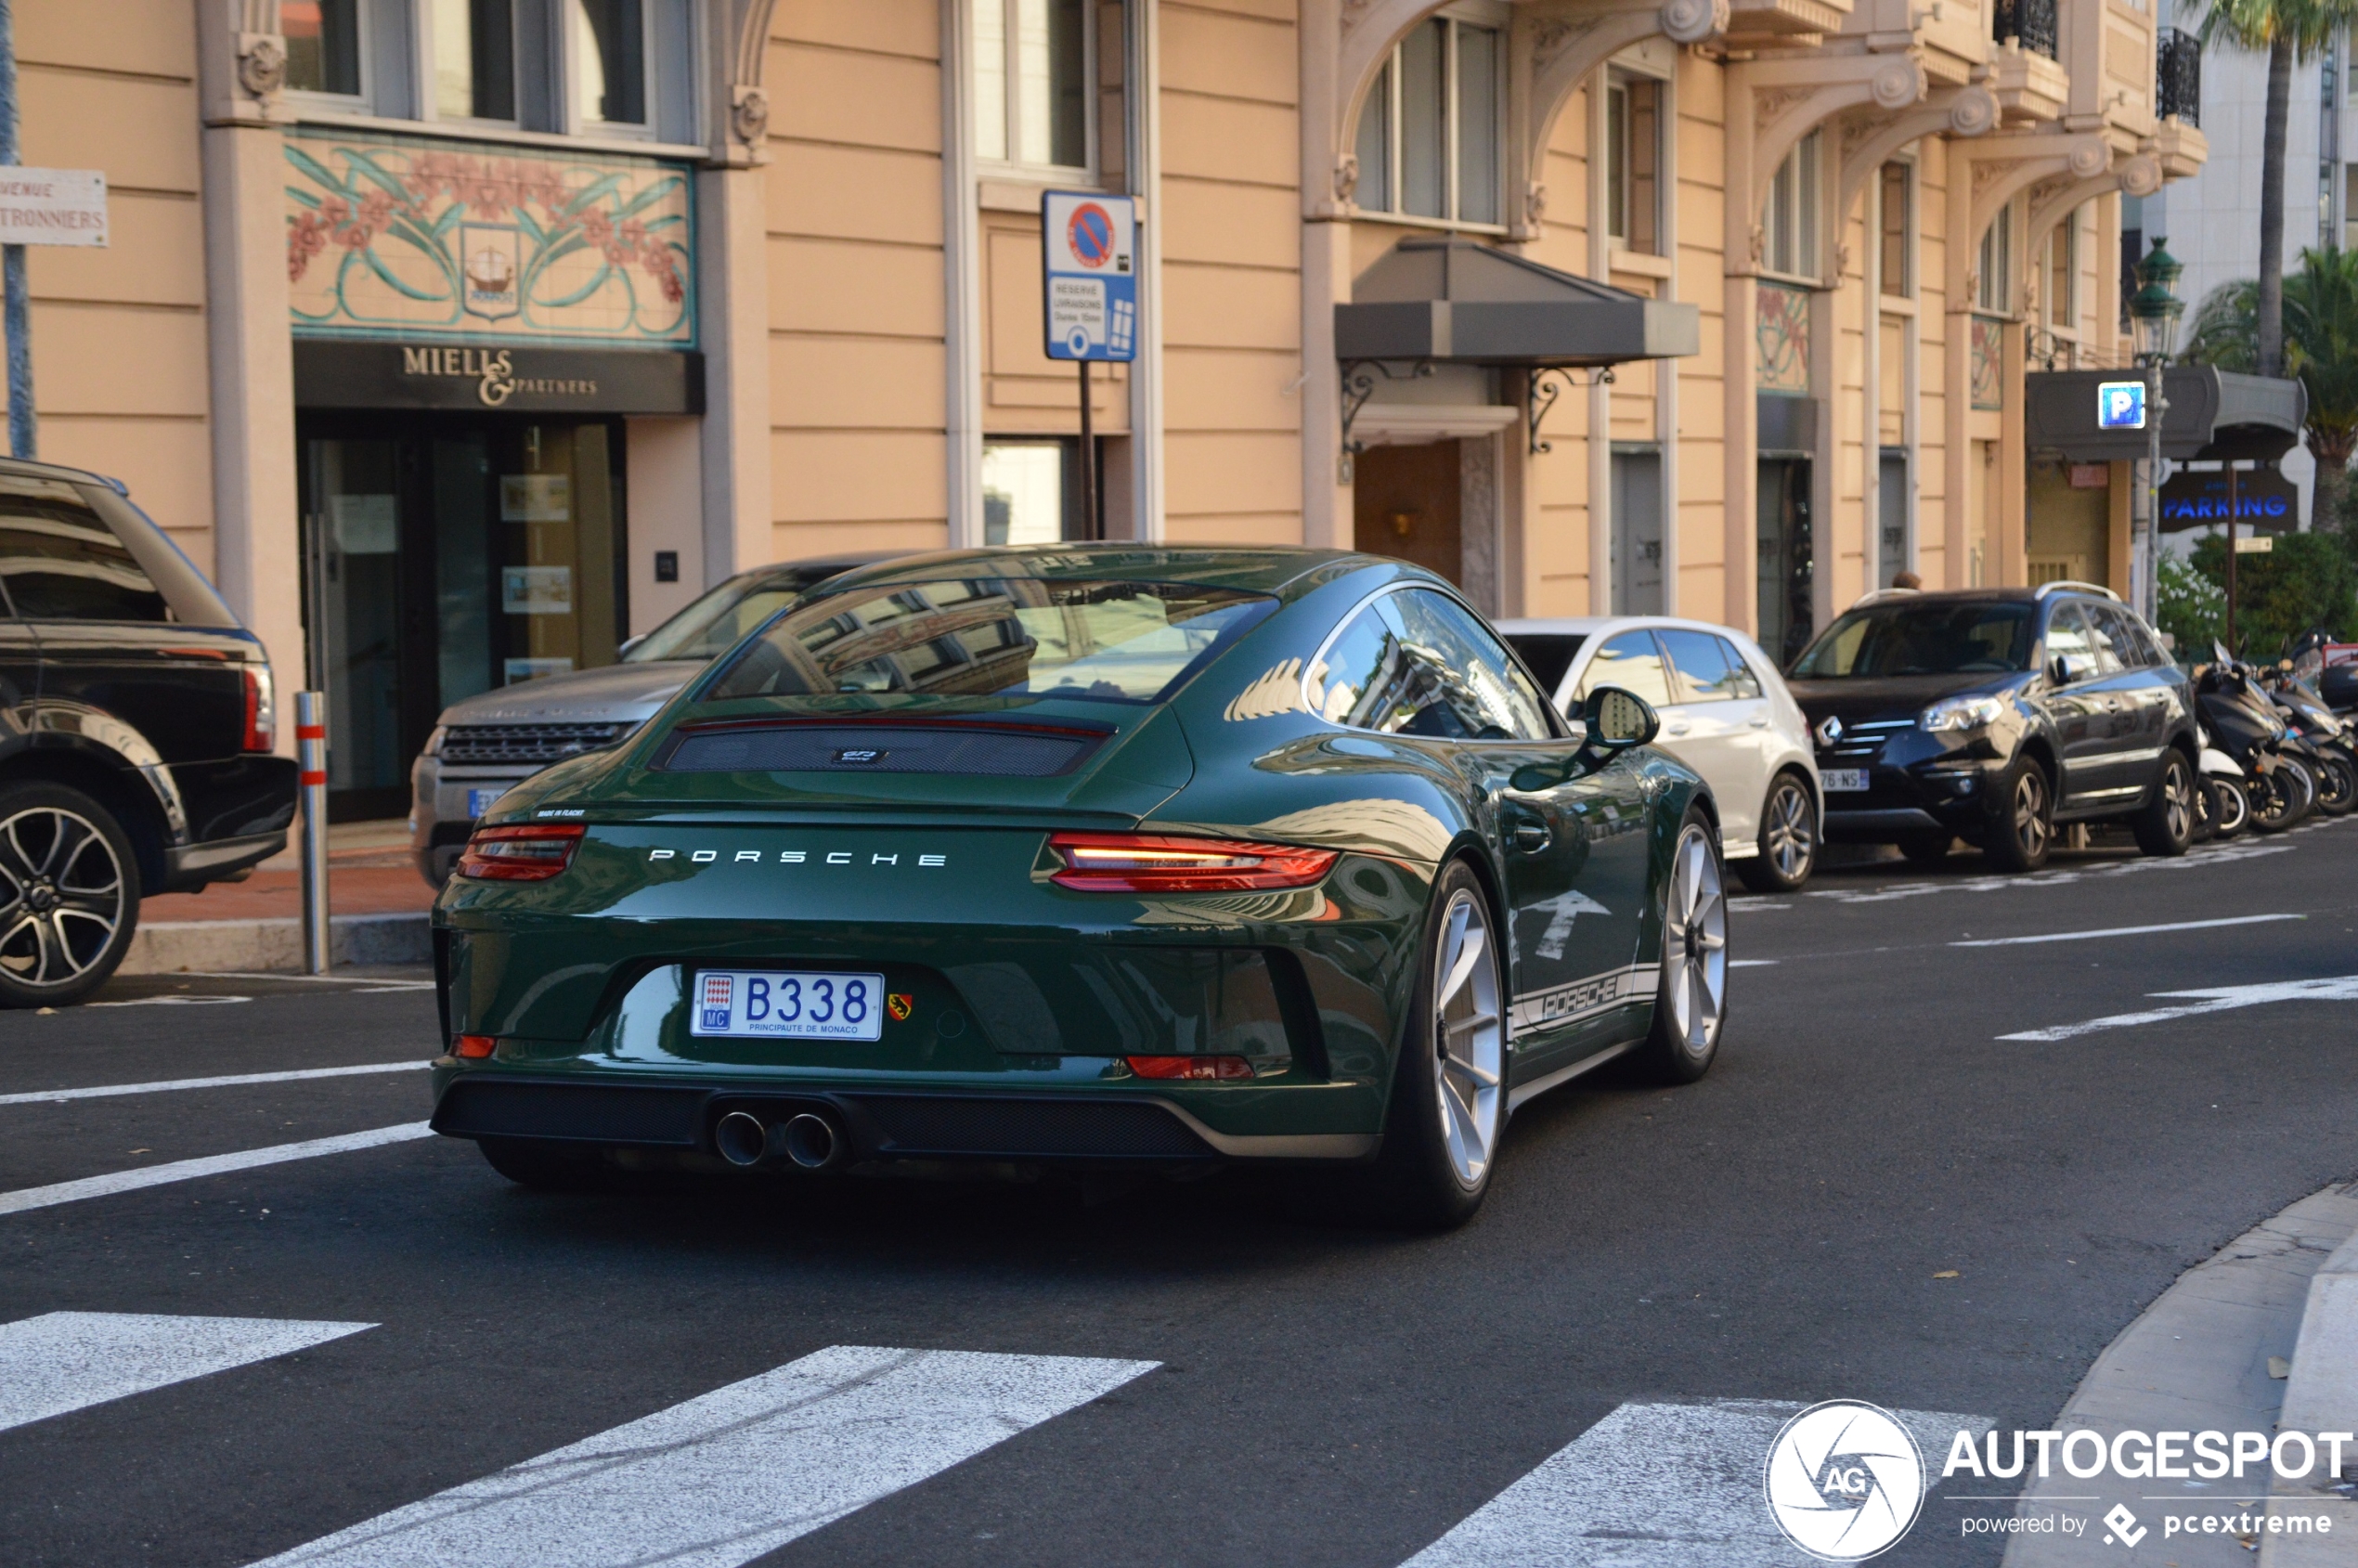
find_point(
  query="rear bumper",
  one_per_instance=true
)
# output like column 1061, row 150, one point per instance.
column 193, row 865
column 881, row 1124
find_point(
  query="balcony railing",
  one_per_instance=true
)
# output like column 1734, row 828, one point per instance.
column 2178, row 76
column 2033, row 22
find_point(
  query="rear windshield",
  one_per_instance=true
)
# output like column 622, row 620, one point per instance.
column 1108, row 641
column 1548, row 653
column 719, row 620
column 1916, row 637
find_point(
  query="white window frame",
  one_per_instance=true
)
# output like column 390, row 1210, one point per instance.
column 1617, row 80
column 1084, row 172
column 365, row 100
column 2062, row 315
column 430, row 71
column 576, row 116
column 1996, row 282
column 1489, row 18
column 1805, row 215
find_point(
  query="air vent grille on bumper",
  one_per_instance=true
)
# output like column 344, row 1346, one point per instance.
column 470, row 744
column 916, row 1124
column 876, row 748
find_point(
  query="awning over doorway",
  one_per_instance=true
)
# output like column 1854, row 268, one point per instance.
column 1452, row 301
column 2213, row 415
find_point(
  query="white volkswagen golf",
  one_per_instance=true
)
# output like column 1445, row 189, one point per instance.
column 1725, row 713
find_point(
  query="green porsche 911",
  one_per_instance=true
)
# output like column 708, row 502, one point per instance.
column 1123, row 855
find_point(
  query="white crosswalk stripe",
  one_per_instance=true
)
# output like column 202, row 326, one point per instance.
column 1663, row 1484
column 722, row 1479
column 65, row 1361
column 26, row 1198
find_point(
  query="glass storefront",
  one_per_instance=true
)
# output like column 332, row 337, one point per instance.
column 444, row 556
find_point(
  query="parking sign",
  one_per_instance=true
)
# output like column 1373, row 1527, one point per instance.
column 1090, row 278
column 2121, row 406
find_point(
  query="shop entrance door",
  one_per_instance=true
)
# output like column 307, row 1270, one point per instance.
column 440, row 558
column 1786, row 558
column 1405, row 503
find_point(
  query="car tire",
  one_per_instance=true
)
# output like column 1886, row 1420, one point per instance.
column 69, row 895
column 2203, row 810
column 1443, row 1129
column 1690, row 998
column 1788, row 838
column 2024, row 831
column 1929, row 851
column 545, row 1167
column 2164, row 826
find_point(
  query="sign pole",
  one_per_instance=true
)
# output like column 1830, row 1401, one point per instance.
column 1088, row 463
column 23, row 436
column 2230, row 558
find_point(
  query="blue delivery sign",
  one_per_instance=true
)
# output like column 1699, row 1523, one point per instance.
column 1090, row 303
column 2121, row 406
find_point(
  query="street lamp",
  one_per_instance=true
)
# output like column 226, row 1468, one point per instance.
column 2153, row 310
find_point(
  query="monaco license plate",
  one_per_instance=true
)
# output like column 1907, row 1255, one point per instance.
column 480, row 800
column 788, row 1005
column 1837, row 779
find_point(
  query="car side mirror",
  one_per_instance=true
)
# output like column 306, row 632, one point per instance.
column 630, row 643
column 1614, row 719
column 2065, row 669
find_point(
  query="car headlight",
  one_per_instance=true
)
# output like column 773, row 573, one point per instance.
column 1961, row 713
column 433, row 742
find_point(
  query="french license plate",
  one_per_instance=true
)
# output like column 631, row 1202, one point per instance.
column 788, row 1005
column 480, row 800
column 1838, row 779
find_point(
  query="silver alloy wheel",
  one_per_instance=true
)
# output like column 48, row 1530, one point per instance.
column 1469, row 1039
column 2031, row 828
column 1694, row 944
column 2178, row 801
column 1788, row 836
column 63, row 895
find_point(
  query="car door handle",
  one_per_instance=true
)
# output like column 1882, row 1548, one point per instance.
column 1760, row 724
column 1532, row 838
column 1681, row 728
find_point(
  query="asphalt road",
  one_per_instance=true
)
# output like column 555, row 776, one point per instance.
column 1873, row 1196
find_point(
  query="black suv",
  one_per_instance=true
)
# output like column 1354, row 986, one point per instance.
column 135, row 732
column 1993, row 714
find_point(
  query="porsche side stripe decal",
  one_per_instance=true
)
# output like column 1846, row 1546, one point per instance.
column 64, row 1361
column 1583, row 998
column 736, row 1473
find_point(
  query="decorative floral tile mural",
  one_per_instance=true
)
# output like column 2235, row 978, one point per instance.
column 410, row 237
column 1987, row 359
column 1783, row 338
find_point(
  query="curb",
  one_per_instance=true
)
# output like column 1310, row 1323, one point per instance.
column 2196, row 1359
column 2322, row 1395
column 173, row 947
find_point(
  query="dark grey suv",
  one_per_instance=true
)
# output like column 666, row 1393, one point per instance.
column 1993, row 714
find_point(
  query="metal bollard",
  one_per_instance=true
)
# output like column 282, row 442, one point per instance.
column 311, row 765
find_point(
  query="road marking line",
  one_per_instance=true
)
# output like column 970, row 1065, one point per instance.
column 2215, row 999
column 727, row 1477
column 211, row 1165
column 2125, row 932
column 64, row 1361
column 172, row 999
column 2226, row 854
column 1656, row 1485
column 105, row 1091
column 388, row 981
column 1754, row 963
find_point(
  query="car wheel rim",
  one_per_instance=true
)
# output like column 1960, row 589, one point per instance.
column 1469, row 1039
column 1791, row 840
column 63, row 895
column 2178, row 802
column 2030, row 814
column 1694, row 944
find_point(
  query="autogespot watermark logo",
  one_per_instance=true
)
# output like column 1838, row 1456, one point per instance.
column 1844, row 1481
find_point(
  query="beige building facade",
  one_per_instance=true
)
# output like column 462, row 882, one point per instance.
column 461, row 340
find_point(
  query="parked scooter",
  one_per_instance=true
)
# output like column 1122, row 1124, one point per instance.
column 2326, row 736
column 2244, row 723
column 2221, row 810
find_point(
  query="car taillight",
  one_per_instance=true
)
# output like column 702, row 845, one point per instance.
column 262, row 710
column 528, row 852
column 1194, row 1069
column 473, row 1047
column 1143, row 862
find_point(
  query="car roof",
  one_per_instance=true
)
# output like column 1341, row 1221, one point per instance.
column 1599, row 626
column 1283, row 570
column 26, row 468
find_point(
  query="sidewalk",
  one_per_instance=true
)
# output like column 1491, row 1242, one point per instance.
column 376, row 901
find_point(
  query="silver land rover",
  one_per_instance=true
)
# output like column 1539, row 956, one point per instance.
column 484, row 744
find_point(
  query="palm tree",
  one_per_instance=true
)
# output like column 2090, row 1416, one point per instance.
column 2319, row 345
column 2284, row 30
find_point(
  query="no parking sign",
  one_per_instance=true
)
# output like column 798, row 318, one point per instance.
column 1091, row 279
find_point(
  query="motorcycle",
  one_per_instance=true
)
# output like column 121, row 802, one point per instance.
column 2326, row 736
column 2221, row 810
column 2277, row 785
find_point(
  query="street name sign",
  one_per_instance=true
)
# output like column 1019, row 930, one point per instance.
column 1090, row 276
column 53, row 206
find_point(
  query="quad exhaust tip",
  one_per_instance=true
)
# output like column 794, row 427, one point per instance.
column 808, row 1139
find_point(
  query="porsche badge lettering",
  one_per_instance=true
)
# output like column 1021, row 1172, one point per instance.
column 859, row 755
column 803, row 857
